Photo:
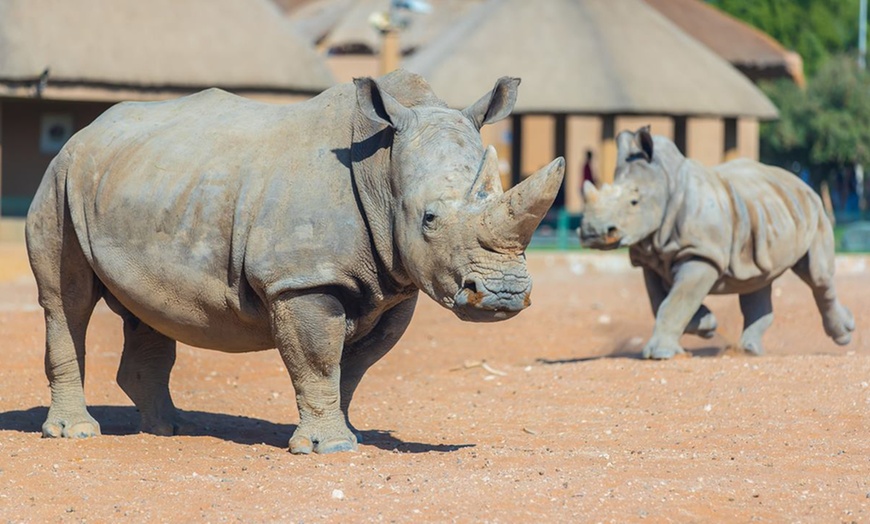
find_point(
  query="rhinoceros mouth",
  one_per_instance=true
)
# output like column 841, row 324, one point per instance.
column 603, row 243
column 475, row 302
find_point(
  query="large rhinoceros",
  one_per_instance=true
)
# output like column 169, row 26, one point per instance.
column 732, row 228
column 240, row 226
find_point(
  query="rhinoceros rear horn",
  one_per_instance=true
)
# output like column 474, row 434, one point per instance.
column 496, row 104
column 508, row 222
column 488, row 181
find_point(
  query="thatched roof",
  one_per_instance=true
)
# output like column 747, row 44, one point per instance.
column 156, row 45
column 343, row 25
column 588, row 57
column 752, row 51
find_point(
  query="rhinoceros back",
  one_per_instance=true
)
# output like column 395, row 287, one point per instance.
column 775, row 218
column 191, row 212
column 751, row 221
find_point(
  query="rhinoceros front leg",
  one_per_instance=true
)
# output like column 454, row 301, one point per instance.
column 692, row 282
column 757, row 312
column 362, row 354
column 309, row 331
column 703, row 322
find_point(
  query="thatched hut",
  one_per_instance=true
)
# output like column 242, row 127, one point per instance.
column 591, row 68
column 755, row 53
column 63, row 62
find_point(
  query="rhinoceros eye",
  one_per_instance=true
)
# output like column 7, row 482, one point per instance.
column 428, row 218
column 634, row 202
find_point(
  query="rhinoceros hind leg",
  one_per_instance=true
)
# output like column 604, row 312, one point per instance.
column 757, row 312
column 68, row 292
column 816, row 268
column 359, row 356
column 703, row 323
column 68, row 416
column 146, row 363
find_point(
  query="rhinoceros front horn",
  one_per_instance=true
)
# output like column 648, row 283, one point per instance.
column 508, row 222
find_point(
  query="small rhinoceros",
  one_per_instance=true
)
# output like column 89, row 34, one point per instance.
column 733, row 228
column 240, row 226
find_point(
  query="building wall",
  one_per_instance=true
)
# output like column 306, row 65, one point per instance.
column 584, row 134
column 747, row 138
column 347, row 67
column 705, row 138
column 22, row 164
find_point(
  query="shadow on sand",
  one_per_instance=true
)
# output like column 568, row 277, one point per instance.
column 628, row 348
column 124, row 420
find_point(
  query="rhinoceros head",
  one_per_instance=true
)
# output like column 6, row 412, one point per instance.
column 632, row 208
column 460, row 237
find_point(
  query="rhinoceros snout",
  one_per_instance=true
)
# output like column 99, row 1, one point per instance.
column 478, row 301
column 606, row 236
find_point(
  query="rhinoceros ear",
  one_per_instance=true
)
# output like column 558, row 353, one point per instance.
column 494, row 105
column 379, row 106
column 645, row 141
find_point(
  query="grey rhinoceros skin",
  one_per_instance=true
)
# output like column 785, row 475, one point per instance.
column 732, row 228
column 240, row 226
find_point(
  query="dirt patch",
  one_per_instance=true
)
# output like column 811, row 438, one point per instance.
column 550, row 415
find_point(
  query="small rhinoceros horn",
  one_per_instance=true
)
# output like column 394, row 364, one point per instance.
column 589, row 192
column 508, row 222
column 488, row 181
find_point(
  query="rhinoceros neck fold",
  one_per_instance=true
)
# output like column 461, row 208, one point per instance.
column 371, row 156
column 370, row 164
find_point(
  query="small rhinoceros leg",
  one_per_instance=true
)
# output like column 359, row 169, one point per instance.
column 757, row 312
column 361, row 355
column 816, row 268
column 692, row 282
column 703, row 323
column 143, row 374
column 309, row 331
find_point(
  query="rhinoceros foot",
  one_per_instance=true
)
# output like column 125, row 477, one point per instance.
column 175, row 425
column 321, row 440
column 703, row 324
column 661, row 351
column 71, row 425
column 839, row 324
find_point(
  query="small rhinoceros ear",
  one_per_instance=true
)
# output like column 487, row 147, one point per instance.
column 379, row 106
column 645, row 141
column 495, row 105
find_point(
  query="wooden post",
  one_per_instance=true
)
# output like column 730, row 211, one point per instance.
column 1, row 159
column 730, row 151
column 680, row 125
column 560, row 139
column 516, row 149
column 608, row 149
column 390, row 53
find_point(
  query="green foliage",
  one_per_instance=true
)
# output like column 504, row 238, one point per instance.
column 816, row 29
column 823, row 125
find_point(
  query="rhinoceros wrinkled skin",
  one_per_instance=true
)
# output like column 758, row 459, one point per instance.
column 240, row 226
column 732, row 228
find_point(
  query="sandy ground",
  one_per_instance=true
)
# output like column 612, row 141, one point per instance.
column 566, row 425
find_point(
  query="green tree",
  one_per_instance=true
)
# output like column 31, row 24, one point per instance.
column 815, row 29
column 824, row 126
